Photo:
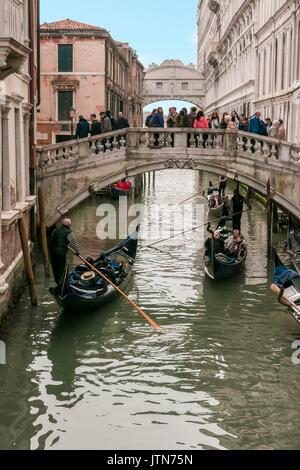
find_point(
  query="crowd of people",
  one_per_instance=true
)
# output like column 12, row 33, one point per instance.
column 196, row 119
column 105, row 123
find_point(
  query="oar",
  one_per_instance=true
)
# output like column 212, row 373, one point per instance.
column 194, row 195
column 138, row 309
column 193, row 229
column 174, row 236
column 191, row 197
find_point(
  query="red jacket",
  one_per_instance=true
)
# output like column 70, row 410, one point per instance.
column 201, row 124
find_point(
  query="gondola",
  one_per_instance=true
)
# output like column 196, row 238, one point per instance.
column 117, row 192
column 294, row 243
column 220, row 267
column 214, row 212
column 292, row 293
column 85, row 291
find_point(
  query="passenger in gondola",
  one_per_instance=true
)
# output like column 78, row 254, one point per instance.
column 283, row 277
column 214, row 201
column 234, row 244
column 215, row 244
column 61, row 239
column 124, row 185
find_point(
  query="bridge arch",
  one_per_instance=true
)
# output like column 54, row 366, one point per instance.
column 102, row 182
column 173, row 80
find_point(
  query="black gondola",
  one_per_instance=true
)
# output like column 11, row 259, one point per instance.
column 294, row 243
column 220, row 267
column 292, row 293
column 85, row 291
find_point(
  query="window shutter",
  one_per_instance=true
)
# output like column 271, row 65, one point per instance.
column 65, row 58
column 65, row 102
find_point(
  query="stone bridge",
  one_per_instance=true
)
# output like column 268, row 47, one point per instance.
column 70, row 172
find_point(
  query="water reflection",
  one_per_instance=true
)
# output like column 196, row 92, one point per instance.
column 219, row 376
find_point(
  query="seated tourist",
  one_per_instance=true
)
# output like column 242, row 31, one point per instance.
column 234, row 243
column 124, row 185
column 215, row 244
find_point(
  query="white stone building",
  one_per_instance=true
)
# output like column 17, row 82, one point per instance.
column 249, row 54
column 173, row 80
column 18, row 95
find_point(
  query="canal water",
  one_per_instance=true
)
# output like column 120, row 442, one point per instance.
column 219, row 376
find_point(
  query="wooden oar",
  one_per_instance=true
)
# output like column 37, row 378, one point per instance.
column 176, row 235
column 192, row 197
column 192, row 229
column 138, row 309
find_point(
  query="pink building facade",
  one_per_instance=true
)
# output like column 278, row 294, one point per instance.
column 83, row 71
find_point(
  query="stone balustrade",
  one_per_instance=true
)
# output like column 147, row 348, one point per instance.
column 70, row 171
column 204, row 140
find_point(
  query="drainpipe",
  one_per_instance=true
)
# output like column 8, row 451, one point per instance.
column 33, row 13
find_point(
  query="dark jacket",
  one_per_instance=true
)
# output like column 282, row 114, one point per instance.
column 237, row 204
column 95, row 128
column 257, row 126
column 121, row 123
column 158, row 120
column 59, row 241
column 190, row 119
column 83, row 129
column 106, row 125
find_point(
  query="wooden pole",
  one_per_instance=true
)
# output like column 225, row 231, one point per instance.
column 27, row 260
column 43, row 231
column 269, row 217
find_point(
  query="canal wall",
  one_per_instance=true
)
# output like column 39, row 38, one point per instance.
column 12, row 277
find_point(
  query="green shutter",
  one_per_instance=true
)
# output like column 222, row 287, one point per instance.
column 65, row 102
column 65, row 58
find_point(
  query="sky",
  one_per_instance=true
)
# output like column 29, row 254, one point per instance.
column 156, row 29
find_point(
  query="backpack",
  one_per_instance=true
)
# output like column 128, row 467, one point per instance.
column 149, row 121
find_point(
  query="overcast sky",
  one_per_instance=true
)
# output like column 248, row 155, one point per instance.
column 156, row 29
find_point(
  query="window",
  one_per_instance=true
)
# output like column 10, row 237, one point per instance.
column 65, row 58
column 185, row 85
column 64, row 103
column 159, row 85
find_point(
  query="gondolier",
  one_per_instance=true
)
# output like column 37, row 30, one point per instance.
column 61, row 238
column 237, row 208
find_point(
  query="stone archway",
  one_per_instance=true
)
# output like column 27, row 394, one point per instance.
column 173, row 80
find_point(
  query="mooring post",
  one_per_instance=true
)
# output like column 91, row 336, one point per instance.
column 43, row 231
column 23, row 231
column 269, row 217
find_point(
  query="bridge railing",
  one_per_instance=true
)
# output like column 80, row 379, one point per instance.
column 241, row 144
column 81, row 148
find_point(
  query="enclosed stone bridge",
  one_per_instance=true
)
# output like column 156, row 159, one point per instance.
column 70, row 172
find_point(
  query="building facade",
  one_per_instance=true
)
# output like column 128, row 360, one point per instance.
column 173, row 80
column 249, row 54
column 19, row 71
column 83, row 71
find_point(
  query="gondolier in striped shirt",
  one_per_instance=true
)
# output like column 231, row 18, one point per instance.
column 62, row 238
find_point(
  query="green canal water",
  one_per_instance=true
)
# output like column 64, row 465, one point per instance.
column 219, row 376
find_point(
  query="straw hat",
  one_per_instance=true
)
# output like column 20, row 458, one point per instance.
column 88, row 276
